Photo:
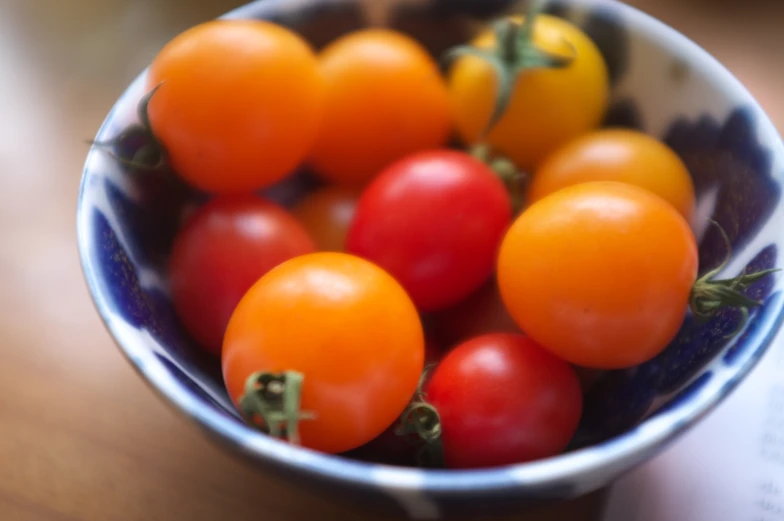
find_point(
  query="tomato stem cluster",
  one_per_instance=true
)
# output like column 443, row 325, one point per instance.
column 274, row 398
column 513, row 53
column 708, row 296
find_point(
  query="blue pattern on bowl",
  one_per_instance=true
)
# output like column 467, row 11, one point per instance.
column 623, row 113
column 662, row 84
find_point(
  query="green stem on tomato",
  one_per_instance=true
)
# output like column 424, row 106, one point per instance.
column 515, row 180
column 709, row 295
column 271, row 402
column 422, row 419
column 514, row 52
column 150, row 156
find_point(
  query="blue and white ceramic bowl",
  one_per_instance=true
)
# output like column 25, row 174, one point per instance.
column 663, row 83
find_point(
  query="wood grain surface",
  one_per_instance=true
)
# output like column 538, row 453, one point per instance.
column 81, row 436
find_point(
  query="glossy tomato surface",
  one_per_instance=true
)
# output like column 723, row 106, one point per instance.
column 502, row 399
column 220, row 252
column 238, row 103
column 548, row 107
column 622, row 155
column 434, row 220
column 599, row 273
column 385, row 98
column 347, row 327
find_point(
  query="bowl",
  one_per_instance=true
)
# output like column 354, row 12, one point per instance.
column 662, row 83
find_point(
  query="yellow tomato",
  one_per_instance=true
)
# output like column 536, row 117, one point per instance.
column 547, row 107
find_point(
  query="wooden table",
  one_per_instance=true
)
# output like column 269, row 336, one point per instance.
column 81, row 437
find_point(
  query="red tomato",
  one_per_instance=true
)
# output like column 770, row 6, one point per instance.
column 222, row 249
column 434, row 220
column 502, row 399
column 481, row 313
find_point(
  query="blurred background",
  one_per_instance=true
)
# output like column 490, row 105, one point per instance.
column 81, row 437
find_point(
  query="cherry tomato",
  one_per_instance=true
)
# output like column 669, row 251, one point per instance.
column 502, row 399
column 238, row 103
column 385, row 98
column 547, row 108
column 627, row 156
column 434, row 221
column 599, row 273
column 220, row 252
column 327, row 214
column 482, row 312
column 347, row 327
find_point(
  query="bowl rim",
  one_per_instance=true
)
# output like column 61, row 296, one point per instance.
column 611, row 456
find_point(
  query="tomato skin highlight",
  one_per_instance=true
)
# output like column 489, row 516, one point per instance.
column 502, row 399
column 548, row 107
column 348, row 327
column 238, row 105
column 434, row 221
column 385, row 98
column 220, row 252
column 622, row 155
column 327, row 213
column 599, row 273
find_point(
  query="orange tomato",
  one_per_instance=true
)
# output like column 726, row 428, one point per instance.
column 347, row 327
column 548, row 107
column 238, row 105
column 627, row 156
column 599, row 273
column 385, row 99
column 326, row 214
